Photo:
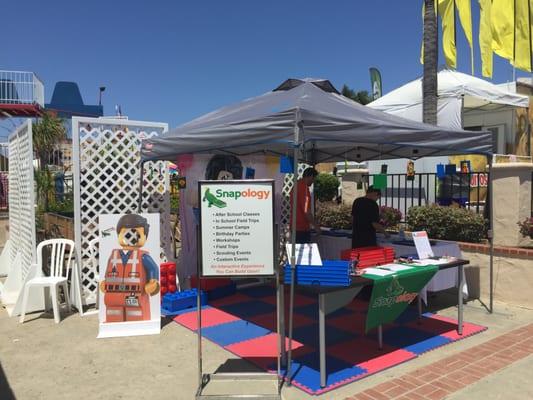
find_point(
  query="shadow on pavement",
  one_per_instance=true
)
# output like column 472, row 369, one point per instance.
column 5, row 389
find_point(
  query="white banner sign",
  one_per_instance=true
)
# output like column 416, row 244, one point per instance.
column 237, row 227
column 423, row 248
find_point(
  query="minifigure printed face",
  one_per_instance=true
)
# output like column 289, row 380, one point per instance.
column 132, row 237
column 224, row 176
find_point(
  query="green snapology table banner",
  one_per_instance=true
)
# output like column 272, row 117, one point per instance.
column 392, row 294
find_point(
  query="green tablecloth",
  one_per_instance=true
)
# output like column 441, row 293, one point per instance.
column 392, row 294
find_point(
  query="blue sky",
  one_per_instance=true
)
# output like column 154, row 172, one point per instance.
column 171, row 61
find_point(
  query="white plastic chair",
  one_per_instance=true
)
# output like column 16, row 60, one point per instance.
column 59, row 267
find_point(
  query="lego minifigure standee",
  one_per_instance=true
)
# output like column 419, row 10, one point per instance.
column 131, row 275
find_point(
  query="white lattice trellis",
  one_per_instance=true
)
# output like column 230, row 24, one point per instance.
column 287, row 188
column 21, row 197
column 106, row 167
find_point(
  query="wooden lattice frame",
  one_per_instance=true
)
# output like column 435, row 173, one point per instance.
column 106, row 169
column 21, row 197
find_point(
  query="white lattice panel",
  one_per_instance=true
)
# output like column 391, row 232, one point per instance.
column 286, row 210
column 21, row 197
column 287, row 188
column 106, row 166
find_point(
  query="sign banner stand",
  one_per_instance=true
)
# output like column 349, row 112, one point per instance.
column 236, row 238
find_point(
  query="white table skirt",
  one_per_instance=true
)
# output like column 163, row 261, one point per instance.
column 332, row 246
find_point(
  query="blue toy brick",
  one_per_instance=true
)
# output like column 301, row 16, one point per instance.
column 173, row 302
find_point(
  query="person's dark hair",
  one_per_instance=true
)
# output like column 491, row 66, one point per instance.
column 133, row 221
column 221, row 162
column 372, row 189
column 310, row 172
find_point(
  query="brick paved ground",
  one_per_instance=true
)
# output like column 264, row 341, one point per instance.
column 436, row 381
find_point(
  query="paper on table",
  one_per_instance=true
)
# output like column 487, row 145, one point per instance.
column 423, row 248
column 376, row 271
column 429, row 261
column 395, row 267
column 306, row 254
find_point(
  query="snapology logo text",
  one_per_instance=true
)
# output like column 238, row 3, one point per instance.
column 395, row 293
column 236, row 194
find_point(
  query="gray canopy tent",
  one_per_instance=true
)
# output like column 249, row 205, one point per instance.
column 309, row 119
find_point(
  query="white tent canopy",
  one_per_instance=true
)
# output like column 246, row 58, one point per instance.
column 309, row 114
column 457, row 93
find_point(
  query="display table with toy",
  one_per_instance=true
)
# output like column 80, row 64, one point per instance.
column 393, row 285
column 332, row 242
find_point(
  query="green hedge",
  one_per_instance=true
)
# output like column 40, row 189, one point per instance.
column 325, row 187
column 333, row 215
column 448, row 223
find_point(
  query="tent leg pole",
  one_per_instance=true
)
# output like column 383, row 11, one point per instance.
column 293, row 248
column 141, row 181
column 491, row 238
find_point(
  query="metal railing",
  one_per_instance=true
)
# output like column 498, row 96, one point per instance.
column 21, row 87
column 465, row 189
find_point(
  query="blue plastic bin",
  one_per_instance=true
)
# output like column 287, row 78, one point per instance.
column 331, row 273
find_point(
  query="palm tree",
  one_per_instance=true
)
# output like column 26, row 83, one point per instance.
column 48, row 132
column 429, row 81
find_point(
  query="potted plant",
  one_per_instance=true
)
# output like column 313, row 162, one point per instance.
column 526, row 227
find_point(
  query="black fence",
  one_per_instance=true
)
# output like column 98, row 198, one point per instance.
column 402, row 192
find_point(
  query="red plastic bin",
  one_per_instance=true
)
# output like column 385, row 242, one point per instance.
column 369, row 256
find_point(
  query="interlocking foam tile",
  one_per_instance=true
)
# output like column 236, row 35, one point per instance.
column 263, row 350
column 447, row 327
column 409, row 315
column 309, row 335
column 259, row 291
column 210, row 317
column 233, row 332
column 249, row 308
column 365, row 353
column 299, row 300
column 355, row 323
column 413, row 340
column 305, row 373
column 188, row 310
column 351, row 354
column 233, row 299
column 311, row 311
column 269, row 321
column 358, row 305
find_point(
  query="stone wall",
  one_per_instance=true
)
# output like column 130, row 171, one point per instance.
column 512, row 202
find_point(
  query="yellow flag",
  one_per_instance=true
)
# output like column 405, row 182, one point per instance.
column 522, row 50
column 464, row 7
column 447, row 15
column 485, row 37
column 502, row 20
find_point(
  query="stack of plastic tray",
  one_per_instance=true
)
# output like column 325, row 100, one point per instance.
column 330, row 273
column 369, row 256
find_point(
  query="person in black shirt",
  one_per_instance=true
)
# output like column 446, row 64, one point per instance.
column 365, row 219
